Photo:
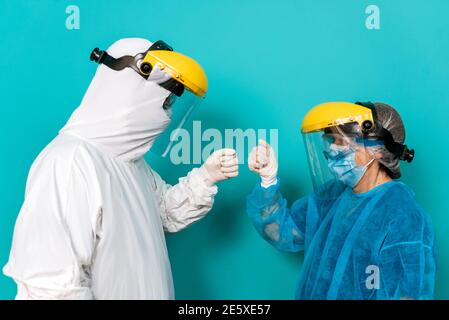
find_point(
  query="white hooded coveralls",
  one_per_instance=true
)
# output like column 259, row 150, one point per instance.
column 93, row 219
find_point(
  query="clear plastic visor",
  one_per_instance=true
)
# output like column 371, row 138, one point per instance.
column 179, row 109
column 335, row 144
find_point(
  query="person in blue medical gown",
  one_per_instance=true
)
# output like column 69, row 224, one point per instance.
column 363, row 234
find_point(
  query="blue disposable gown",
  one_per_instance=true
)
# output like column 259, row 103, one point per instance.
column 373, row 245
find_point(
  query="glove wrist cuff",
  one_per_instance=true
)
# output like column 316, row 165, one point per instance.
column 268, row 182
column 206, row 176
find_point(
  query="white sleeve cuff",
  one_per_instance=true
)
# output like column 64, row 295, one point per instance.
column 202, row 180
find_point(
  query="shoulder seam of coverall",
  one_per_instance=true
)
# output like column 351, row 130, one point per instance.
column 63, row 220
column 70, row 171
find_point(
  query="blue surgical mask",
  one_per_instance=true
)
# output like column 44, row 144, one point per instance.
column 341, row 162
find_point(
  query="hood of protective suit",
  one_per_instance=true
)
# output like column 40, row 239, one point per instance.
column 121, row 112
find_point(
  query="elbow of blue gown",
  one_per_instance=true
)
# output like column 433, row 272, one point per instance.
column 269, row 214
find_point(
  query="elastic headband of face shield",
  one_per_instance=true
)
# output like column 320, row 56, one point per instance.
column 144, row 69
column 375, row 130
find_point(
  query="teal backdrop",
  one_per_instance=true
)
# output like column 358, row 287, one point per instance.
column 267, row 62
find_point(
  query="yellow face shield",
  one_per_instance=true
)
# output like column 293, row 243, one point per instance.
column 181, row 68
column 332, row 114
column 183, row 72
column 342, row 139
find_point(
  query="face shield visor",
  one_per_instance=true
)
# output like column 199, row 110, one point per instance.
column 342, row 140
column 182, row 76
column 179, row 110
column 339, row 154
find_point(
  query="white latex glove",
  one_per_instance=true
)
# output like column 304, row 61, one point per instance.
column 262, row 160
column 221, row 165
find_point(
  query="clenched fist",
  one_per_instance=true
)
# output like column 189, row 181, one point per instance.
column 262, row 160
column 221, row 165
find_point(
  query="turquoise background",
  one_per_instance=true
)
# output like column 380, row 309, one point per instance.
column 268, row 62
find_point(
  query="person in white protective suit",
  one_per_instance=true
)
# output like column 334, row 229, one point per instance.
column 93, row 219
